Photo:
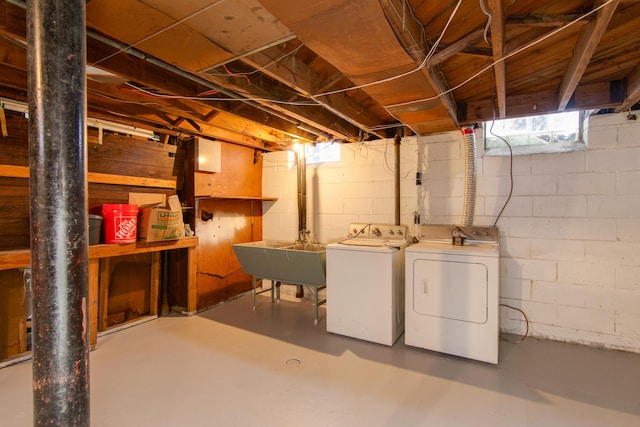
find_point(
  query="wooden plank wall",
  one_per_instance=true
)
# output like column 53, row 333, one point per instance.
column 117, row 155
column 227, row 210
column 122, row 157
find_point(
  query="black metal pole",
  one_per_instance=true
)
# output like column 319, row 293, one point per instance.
column 59, row 225
column 396, row 177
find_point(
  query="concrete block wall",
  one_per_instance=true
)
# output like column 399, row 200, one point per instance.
column 570, row 235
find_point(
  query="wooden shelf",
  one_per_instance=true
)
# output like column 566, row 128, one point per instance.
column 20, row 258
column 263, row 198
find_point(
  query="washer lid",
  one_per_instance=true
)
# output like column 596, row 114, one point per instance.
column 362, row 247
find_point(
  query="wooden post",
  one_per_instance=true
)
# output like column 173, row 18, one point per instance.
column 56, row 47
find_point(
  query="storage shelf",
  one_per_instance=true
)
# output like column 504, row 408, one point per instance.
column 19, row 258
column 263, row 198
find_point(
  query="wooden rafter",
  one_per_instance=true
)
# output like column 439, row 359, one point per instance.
column 633, row 90
column 455, row 48
column 497, row 44
column 585, row 48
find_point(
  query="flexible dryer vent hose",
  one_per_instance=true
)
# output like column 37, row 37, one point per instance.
column 470, row 176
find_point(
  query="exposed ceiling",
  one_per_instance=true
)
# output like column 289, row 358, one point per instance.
column 265, row 73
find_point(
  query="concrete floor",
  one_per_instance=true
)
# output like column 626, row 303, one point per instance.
column 231, row 366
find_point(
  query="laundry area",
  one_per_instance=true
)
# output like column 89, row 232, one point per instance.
column 322, row 213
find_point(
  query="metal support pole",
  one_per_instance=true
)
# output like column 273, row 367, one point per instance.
column 56, row 37
column 396, row 146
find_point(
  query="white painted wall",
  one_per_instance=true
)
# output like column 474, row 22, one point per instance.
column 570, row 236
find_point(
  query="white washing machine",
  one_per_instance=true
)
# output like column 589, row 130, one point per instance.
column 365, row 283
column 452, row 291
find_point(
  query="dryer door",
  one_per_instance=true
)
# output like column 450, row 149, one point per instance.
column 450, row 289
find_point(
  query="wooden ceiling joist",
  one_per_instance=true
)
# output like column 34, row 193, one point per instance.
column 497, row 44
column 587, row 43
column 633, row 90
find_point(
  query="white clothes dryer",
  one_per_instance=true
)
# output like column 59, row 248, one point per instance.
column 452, row 291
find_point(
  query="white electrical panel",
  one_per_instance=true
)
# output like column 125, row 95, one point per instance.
column 208, row 156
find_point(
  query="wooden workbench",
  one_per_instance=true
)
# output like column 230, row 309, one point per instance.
column 99, row 278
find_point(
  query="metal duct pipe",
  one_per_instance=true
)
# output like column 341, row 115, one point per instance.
column 470, row 175
column 302, row 194
column 301, row 163
column 396, row 150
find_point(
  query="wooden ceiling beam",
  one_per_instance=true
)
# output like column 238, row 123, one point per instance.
column 633, row 90
column 497, row 44
column 263, row 88
column 585, row 48
column 456, row 48
column 151, row 75
column 411, row 35
column 544, row 20
column 587, row 97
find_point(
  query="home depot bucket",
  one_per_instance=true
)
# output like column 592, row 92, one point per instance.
column 120, row 223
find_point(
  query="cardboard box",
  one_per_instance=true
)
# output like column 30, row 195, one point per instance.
column 158, row 223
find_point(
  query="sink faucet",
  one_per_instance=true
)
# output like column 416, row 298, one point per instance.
column 303, row 236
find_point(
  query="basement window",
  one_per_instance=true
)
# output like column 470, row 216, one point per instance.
column 547, row 133
column 322, row 152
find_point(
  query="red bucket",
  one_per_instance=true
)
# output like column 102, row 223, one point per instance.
column 120, row 223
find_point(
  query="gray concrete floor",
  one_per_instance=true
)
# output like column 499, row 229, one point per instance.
column 232, row 366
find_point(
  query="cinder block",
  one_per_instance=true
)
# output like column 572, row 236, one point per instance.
column 627, row 253
column 491, row 186
column 572, row 295
column 621, row 159
column 539, row 185
column 586, row 319
column 587, row 183
column 628, row 277
column 628, row 135
column 602, row 138
column 558, row 250
column 515, row 288
column 560, row 206
column 626, row 301
column 628, row 325
column 515, row 247
column 539, row 269
column 586, row 273
column 540, row 312
column 615, row 206
column 558, row 163
column 613, row 120
column 629, row 182
column 358, row 207
column 563, row 228
column 628, row 230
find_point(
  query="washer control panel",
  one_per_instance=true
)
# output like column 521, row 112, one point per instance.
column 385, row 232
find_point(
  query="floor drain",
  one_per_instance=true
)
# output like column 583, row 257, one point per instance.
column 293, row 362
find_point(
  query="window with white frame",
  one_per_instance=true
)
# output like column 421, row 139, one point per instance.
column 546, row 133
column 322, row 152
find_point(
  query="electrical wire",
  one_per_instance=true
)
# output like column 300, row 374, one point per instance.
column 486, row 27
column 504, row 58
column 526, row 323
column 264, row 67
column 510, row 169
column 194, row 14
